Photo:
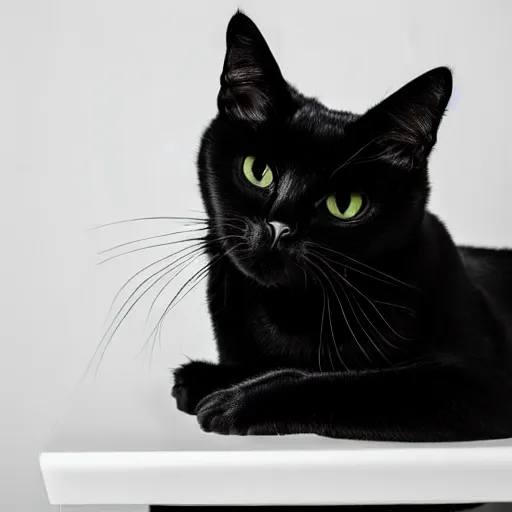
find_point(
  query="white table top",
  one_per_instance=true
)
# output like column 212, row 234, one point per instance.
column 123, row 442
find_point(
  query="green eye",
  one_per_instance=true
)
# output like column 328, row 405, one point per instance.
column 257, row 172
column 345, row 207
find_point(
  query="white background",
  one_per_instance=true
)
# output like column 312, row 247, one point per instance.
column 101, row 107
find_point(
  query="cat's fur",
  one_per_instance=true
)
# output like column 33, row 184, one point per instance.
column 379, row 328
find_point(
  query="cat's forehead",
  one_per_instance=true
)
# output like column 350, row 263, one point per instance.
column 312, row 142
column 314, row 120
column 313, row 133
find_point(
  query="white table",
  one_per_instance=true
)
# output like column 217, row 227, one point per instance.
column 122, row 441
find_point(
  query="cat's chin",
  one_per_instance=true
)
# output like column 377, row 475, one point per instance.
column 270, row 281
column 289, row 276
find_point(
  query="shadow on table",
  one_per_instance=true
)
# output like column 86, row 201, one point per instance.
column 367, row 508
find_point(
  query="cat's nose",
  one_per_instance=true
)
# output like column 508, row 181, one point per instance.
column 278, row 230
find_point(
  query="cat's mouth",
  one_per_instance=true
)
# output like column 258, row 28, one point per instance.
column 270, row 268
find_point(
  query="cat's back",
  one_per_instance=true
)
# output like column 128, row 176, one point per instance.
column 491, row 270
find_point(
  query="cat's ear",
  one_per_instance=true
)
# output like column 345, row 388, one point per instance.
column 252, row 87
column 405, row 124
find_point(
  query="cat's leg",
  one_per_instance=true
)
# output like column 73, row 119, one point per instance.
column 195, row 380
column 421, row 403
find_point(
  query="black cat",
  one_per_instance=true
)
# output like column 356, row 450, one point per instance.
column 340, row 304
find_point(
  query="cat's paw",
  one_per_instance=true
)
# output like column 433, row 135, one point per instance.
column 192, row 382
column 222, row 411
column 247, row 408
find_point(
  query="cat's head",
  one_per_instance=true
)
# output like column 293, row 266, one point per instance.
column 285, row 179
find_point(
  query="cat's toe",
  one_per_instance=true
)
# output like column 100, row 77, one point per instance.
column 186, row 400
column 248, row 408
column 190, row 385
column 223, row 412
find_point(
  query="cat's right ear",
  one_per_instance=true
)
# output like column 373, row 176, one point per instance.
column 252, row 87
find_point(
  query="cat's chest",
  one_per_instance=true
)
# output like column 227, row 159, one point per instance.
column 286, row 330
column 282, row 327
column 304, row 328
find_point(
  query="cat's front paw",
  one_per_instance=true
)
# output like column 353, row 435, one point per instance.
column 248, row 408
column 224, row 411
column 192, row 382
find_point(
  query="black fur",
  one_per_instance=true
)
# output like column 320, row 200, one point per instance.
column 378, row 328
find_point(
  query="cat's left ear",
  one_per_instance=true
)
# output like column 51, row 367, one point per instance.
column 252, row 87
column 404, row 126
